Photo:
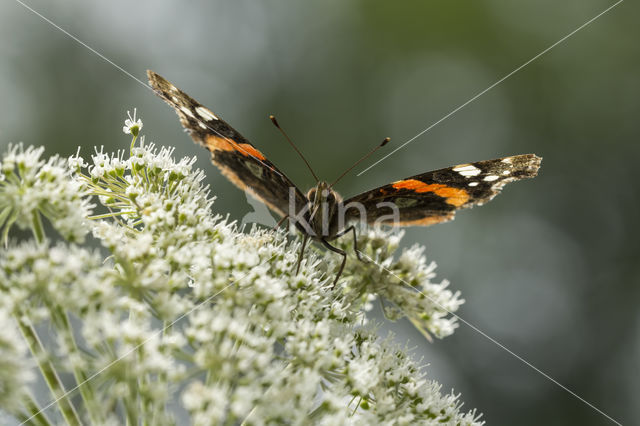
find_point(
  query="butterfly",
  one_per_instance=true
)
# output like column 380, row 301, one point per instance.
column 322, row 214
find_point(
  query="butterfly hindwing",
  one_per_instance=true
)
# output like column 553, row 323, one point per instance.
column 232, row 153
column 435, row 196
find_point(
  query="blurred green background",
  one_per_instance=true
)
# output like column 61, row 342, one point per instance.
column 549, row 268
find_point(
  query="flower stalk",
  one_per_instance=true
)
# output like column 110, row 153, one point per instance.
column 49, row 374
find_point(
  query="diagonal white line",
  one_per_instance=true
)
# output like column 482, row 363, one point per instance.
column 153, row 336
column 497, row 343
column 492, row 86
column 76, row 39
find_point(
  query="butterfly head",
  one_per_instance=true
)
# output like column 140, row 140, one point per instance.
column 323, row 208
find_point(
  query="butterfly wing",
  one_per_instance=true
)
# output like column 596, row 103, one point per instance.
column 232, row 153
column 435, row 196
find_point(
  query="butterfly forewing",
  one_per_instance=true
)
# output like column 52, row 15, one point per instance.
column 435, row 196
column 231, row 152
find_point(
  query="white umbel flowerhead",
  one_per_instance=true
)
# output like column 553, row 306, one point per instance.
column 132, row 126
column 182, row 307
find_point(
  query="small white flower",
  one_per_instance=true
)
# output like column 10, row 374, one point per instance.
column 132, row 126
column 75, row 162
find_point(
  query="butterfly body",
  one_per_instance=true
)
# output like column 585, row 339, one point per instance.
column 321, row 214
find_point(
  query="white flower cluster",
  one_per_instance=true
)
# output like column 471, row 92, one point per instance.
column 182, row 307
column 31, row 187
column 403, row 284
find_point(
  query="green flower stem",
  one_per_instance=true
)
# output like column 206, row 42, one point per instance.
column 49, row 373
column 131, row 403
column 34, row 416
column 86, row 389
column 7, row 227
column 113, row 195
column 133, row 143
column 107, row 215
column 6, row 211
column 37, row 228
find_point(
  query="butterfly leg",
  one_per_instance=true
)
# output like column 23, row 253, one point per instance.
column 355, row 241
column 340, row 252
column 301, row 255
column 281, row 221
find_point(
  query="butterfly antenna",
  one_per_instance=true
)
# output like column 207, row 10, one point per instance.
column 367, row 155
column 275, row 123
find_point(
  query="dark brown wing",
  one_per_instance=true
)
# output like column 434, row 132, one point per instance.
column 236, row 158
column 434, row 197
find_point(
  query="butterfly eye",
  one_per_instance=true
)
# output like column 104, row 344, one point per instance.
column 331, row 197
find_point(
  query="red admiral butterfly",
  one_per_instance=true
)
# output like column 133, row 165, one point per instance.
column 321, row 214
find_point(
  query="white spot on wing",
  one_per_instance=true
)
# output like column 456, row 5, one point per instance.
column 506, row 172
column 206, row 114
column 187, row 111
column 467, row 170
column 490, row 178
column 202, row 125
column 506, row 160
column 175, row 99
column 473, row 183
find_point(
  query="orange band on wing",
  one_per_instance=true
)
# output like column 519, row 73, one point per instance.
column 247, row 149
column 215, row 143
column 454, row 196
column 425, row 221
